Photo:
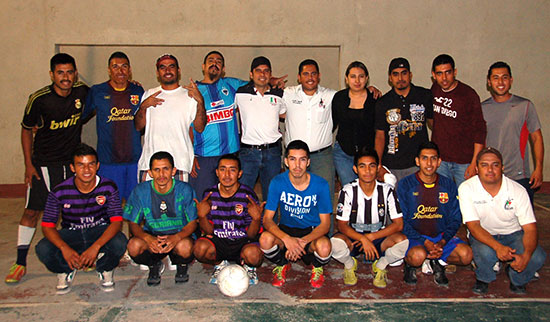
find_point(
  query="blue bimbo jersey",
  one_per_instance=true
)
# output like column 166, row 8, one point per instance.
column 429, row 209
column 118, row 141
column 220, row 136
column 299, row 209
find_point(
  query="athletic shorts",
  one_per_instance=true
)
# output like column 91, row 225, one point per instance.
column 227, row 249
column 124, row 175
column 300, row 232
column 447, row 249
column 180, row 175
column 49, row 178
column 377, row 243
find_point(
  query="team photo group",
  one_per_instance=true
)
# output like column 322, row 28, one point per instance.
column 179, row 164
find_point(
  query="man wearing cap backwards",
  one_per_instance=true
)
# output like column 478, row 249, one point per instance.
column 502, row 224
column 459, row 129
column 167, row 113
column 511, row 121
column 260, row 107
column 401, row 118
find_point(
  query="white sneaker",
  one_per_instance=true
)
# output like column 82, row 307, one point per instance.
column 64, row 282
column 217, row 269
column 252, row 275
column 143, row 267
column 106, row 280
column 397, row 263
column 496, row 267
column 427, row 267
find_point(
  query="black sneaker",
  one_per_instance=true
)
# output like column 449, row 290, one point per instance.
column 181, row 273
column 480, row 287
column 439, row 273
column 518, row 289
column 410, row 274
column 154, row 273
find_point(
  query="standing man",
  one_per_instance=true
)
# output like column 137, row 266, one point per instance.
column 431, row 217
column 167, row 113
column 309, row 118
column 459, row 128
column 502, row 224
column 369, row 221
column 230, row 219
column 91, row 219
column 54, row 113
column 260, row 108
column 511, row 121
column 305, row 205
column 163, row 217
column 401, row 118
column 118, row 142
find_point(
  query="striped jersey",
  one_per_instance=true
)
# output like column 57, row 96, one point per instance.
column 82, row 210
column 118, row 141
column 220, row 136
column 229, row 216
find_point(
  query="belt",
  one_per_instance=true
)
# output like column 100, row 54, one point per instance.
column 261, row 146
column 320, row 150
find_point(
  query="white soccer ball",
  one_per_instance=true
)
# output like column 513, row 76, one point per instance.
column 233, row 280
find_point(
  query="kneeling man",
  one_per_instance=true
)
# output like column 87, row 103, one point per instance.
column 91, row 219
column 502, row 225
column 431, row 216
column 304, row 201
column 369, row 221
column 168, row 212
column 230, row 218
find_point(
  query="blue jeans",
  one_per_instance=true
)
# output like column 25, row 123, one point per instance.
column 80, row 240
column 525, row 183
column 485, row 258
column 266, row 163
column 343, row 164
column 322, row 165
column 206, row 175
column 453, row 171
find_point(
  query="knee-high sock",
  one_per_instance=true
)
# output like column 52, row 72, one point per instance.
column 340, row 252
column 319, row 261
column 24, row 238
column 275, row 255
column 393, row 254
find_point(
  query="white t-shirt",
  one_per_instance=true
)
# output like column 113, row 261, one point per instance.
column 309, row 118
column 503, row 214
column 167, row 128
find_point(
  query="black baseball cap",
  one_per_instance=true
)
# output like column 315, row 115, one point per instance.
column 399, row 62
column 261, row 60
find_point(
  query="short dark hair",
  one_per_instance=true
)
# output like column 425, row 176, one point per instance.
column 61, row 58
column 230, row 156
column 214, row 52
column 118, row 54
column 499, row 64
column 365, row 153
column 442, row 60
column 430, row 145
column 161, row 155
column 297, row 145
column 306, row 63
column 357, row 64
column 488, row 150
column 83, row 149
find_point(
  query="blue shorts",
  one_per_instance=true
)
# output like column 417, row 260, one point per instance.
column 124, row 175
column 377, row 243
column 447, row 249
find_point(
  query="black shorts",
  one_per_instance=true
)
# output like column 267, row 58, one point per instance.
column 300, row 232
column 50, row 177
column 377, row 243
column 227, row 249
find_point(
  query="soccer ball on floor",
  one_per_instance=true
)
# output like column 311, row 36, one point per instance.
column 233, row 280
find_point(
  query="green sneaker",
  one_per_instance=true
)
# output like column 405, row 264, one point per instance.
column 349, row 274
column 380, row 279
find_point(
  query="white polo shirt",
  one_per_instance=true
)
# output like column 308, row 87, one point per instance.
column 500, row 215
column 309, row 118
column 259, row 114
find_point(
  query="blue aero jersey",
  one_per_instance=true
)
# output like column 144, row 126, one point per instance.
column 221, row 135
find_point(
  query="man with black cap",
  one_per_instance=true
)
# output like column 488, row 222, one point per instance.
column 260, row 107
column 167, row 113
column 401, row 118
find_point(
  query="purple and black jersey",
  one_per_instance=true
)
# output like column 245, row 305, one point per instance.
column 229, row 216
column 82, row 210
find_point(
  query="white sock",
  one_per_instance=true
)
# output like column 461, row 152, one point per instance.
column 340, row 252
column 24, row 235
column 393, row 254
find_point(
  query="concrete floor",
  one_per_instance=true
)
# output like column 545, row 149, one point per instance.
column 34, row 297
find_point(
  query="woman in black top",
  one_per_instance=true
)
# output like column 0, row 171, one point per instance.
column 353, row 115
